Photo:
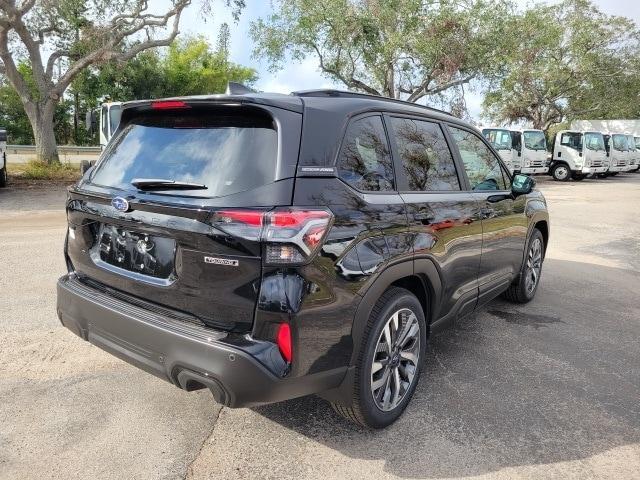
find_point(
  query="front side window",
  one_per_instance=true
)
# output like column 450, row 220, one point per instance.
column 426, row 160
column 619, row 142
column 500, row 139
column 637, row 141
column 105, row 121
column 534, row 140
column 482, row 166
column 365, row 159
column 594, row 141
column 115, row 112
column 571, row 140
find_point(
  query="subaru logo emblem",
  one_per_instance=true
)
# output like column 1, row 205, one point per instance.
column 120, row 203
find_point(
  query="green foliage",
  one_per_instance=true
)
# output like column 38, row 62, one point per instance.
column 35, row 170
column 396, row 48
column 567, row 60
column 188, row 67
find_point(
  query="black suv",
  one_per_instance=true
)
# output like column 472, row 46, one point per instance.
column 271, row 246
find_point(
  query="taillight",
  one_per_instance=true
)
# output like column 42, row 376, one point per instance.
column 283, row 339
column 169, row 105
column 291, row 235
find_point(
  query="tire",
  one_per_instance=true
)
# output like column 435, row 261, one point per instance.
column 561, row 172
column 374, row 363
column 522, row 290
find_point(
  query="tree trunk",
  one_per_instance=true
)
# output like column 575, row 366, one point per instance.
column 41, row 119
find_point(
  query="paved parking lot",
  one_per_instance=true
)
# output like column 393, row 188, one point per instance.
column 546, row 390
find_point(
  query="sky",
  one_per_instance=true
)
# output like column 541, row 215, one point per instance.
column 306, row 75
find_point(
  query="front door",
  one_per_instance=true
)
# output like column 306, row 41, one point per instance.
column 504, row 223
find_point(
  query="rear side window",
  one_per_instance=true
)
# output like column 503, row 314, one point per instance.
column 482, row 166
column 426, row 160
column 229, row 152
column 365, row 159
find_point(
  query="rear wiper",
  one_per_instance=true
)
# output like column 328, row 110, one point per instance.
column 163, row 184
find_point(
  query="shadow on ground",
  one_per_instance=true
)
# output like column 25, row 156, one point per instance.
column 555, row 380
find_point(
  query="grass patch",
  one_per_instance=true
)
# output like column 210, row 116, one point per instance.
column 34, row 170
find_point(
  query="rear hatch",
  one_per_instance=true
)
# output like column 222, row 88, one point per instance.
column 167, row 218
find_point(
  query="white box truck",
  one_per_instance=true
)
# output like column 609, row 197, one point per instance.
column 577, row 154
column 531, row 150
column 502, row 141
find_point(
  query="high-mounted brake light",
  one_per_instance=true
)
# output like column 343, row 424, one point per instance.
column 169, row 105
column 283, row 338
column 292, row 235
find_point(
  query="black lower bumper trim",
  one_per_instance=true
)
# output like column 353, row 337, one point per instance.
column 186, row 355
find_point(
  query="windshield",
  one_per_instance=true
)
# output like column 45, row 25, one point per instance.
column 619, row 142
column 534, row 140
column 631, row 143
column 228, row 152
column 500, row 139
column 594, row 141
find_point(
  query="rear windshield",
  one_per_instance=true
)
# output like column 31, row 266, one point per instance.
column 229, row 152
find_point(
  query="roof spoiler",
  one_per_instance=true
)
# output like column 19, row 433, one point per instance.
column 235, row 88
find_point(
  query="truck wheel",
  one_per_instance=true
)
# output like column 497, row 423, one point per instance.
column 524, row 288
column 390, row 360
column 561, row 172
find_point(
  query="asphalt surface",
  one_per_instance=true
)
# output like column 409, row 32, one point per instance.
column 546, row 390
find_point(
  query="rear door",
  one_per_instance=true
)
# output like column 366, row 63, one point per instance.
column 504, row 223
column 193, row 251
column 443, row 218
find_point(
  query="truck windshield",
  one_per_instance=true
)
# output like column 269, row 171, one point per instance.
column 619, row 142
column 594, row 141
column 500, row 139
column 631, row 142
column 534, row 140
column 225, row 152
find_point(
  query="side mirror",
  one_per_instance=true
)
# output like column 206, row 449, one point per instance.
column 522, row 184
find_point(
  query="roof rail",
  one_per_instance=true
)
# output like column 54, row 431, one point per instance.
column 328, row 92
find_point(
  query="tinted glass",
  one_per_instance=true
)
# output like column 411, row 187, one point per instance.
column 105, row 120
column 426, row 160
column 637, row 140
column 481, row 165
column 631, row 143
column 619, row 142
column 500, row 139
column 365, row 159
column 229, row 153
column 594, row 141
column 573, row 140
column 534, row 140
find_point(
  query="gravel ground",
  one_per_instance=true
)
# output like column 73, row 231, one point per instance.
column 546, row 390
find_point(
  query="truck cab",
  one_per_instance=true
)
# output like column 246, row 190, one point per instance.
column 636, row 142
column 577, row 154
column 530, row 148
column 617, row 146
column 3, row 157
column 634, row 153
column 502, row 140
column 110, row 114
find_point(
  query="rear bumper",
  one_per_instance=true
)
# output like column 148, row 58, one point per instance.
column 186, row 355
